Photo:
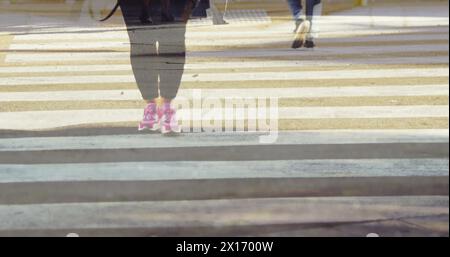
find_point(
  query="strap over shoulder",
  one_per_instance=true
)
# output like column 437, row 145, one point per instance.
column 112, row 12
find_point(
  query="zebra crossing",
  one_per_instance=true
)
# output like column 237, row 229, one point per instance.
column 361, row 147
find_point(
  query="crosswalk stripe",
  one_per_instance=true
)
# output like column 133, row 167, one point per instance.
column 124, row 44
column 223, row 65
column 52, row 119
column 225, row 139
column 367, row 82
column 326, row 51
column 132, row 171
column 40, row 58
column 70, row 46
column 123, row 36
column 283, row 29
column 64, row 68
column 312, row 92
column 245, row 76
column 216, row 213
column 260, row 152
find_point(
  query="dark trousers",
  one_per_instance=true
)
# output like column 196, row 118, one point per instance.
column 158, row 53
column 145, row 9
column 297, row 7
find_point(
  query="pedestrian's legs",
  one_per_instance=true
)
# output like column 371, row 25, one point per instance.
column 145, row 65
column 165, row 6
column 303, row 28
column 145, row 6
column 144, row 61
column 158, row 56
column 143, row 51
column 310, row 14
column 172, row 57
column 166, row 12
column 310, row 4
column 172, row 53
column 296, row 8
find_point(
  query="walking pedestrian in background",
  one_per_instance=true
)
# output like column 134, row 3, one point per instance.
column 304, row 23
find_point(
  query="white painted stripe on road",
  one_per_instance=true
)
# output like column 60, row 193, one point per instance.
column 245, row 76
column 385, row 38
column 58, row 37
column 66, row 57
column 334, row 26
column 210, row 213
column 69, row 46
column 52, row 119
column 311, row 92
column 191, row 40
column 323, row 51
column 48, row 43
column 225, row 139
column 227, row 65
column 65, row 68
column 152, row 171
column 368, row 112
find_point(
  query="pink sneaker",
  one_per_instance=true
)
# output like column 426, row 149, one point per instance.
column 169, row 122
column 151, row 118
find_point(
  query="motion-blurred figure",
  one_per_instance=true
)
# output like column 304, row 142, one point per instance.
column 304, row 25
column 158, row 55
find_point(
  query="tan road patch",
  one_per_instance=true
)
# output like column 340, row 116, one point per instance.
column 283, row 102
column 65, row 74
column 69, row 105
column 400, row 123
column 237, row 69
column 336, row 68
column 340, row 58
column 320, row 83
column 66, row 87
column 283, row 44
column 313, row 124
column 365, row 101
column 242, row 84
column 66, row 62
column 330, row 57
column 5, row 41
column 283, row 37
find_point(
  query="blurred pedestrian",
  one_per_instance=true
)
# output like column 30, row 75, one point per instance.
column 158, row 55
column 304, row 23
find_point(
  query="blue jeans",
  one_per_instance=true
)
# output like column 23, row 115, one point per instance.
column 296, row 8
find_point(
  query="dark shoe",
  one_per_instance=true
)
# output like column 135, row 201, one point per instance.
column 146, row 21
column 301, row 33
column 297, row 44
column 167, row 17
column 309, row 44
